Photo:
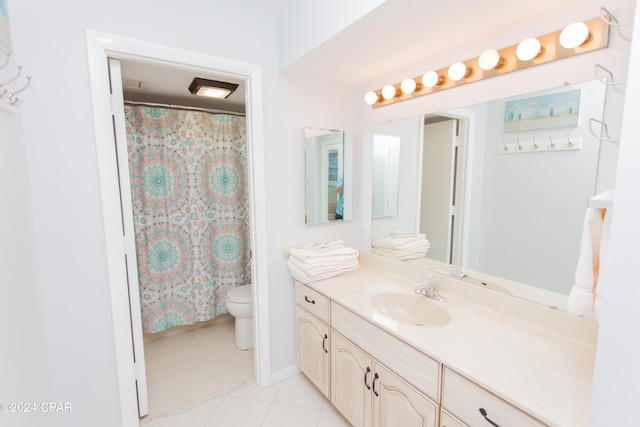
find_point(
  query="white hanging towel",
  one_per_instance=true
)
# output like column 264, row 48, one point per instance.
column 589, row 282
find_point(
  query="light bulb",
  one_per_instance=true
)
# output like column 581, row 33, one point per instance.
column 574, row 35
column 388, row 92
column 408, row 86
column 457, row 71
column 371, row 98
column 528, row 49
column 489, row 60
column 430, row 79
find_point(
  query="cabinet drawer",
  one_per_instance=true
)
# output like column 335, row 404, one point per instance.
column 412, row 365
column 467, row 400
column 312, row 301
column 448, row 420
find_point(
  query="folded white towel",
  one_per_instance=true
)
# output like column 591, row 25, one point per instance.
column 305, row 277
column 308, row 255
column 399, row 255
column 324, row 247
column 318, row 261
column 402, row 243
column 604, row 247
column 324, row 267
column 589, row 281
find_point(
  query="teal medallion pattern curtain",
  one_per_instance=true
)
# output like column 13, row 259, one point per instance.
column 189, row 174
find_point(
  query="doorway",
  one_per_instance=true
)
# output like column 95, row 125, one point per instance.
column 101, row 47
column 444, row 194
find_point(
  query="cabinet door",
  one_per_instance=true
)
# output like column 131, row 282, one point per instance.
column 351, row 379
column 396, row 403
column 313, row 349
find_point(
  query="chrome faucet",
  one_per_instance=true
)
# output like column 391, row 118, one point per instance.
column 429, row 290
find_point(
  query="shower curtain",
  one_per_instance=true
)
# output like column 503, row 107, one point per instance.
column 191, row 211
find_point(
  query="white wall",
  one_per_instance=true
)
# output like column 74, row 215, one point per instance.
column 547, row 191
column 25, row 375
column 49, row 39
column 616, row 395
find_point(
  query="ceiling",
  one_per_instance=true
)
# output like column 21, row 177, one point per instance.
column 170, row 85
column 432, row 29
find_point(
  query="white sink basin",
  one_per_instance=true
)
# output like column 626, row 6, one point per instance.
column 412, row 309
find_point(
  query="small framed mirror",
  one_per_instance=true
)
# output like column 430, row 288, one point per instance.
column 327, row 175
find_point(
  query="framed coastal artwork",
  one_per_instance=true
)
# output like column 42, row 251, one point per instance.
column 5, row 39
column 555, row 110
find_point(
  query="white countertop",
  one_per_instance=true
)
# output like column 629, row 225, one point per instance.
column 545, row 373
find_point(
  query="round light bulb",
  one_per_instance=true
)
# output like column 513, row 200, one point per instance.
column 388, row 92
column 574, row 35
column 408, row 86
column 371, row 98
column 528, row 49
column 430, row 79
column 457, row 71
column 489, row 60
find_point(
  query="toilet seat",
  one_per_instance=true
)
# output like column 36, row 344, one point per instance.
column 240, row 295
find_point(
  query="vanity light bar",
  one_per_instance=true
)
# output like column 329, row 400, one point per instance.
column 550, row 50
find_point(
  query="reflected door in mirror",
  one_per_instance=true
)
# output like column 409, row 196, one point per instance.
column 325, row 172
column 438, row 188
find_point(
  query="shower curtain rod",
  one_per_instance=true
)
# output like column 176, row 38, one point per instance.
column 183, row 107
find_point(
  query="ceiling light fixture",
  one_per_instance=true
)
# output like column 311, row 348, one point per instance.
column 388, row 92
column 575, row 39
column 574, row 35
column 528, row 49
column 458, row 71
column 371, row 97
column 212, row 88
column 490, row 59
column 408, row 86
column 431, row 79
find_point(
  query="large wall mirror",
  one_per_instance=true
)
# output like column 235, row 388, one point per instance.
column 500, row 189
column 328, row 174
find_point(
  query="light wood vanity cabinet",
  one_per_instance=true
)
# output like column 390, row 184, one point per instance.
column 312, row 315
column 369, row 394
column 375, row 379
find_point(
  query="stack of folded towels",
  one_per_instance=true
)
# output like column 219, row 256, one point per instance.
column 318, row 261
column 402, row 245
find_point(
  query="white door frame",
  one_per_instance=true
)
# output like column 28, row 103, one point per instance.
column 101, row 46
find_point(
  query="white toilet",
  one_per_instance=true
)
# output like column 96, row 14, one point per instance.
column 240, row 306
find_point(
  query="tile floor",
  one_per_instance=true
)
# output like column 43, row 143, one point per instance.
column 294, row 402
column 198, row 378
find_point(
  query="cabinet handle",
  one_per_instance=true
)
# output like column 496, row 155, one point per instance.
column 323, row 343
column 375, row 378
column 483, row 412
column 366, row 374
column 310, row 301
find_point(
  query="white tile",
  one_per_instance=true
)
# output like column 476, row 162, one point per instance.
column 328, row 406
column 254, row 391
column 332, row 419
column 299, row 391
column 237, row 412
column 290, row 416
column 196, row 417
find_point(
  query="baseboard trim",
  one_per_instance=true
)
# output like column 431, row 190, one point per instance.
column 285, row 373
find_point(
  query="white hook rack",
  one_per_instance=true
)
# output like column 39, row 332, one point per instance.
column 534, row 146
